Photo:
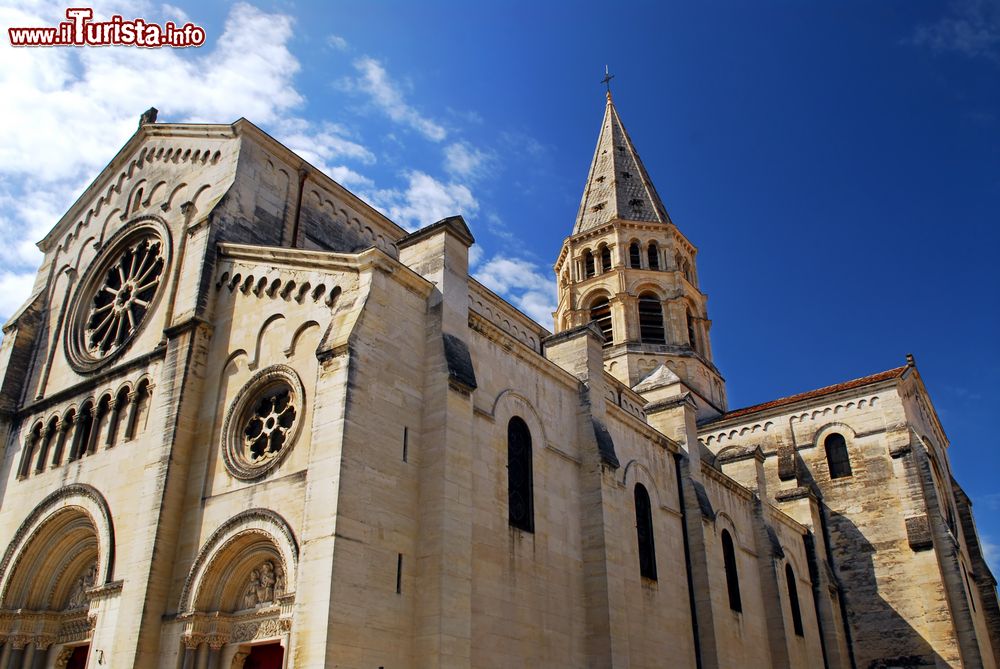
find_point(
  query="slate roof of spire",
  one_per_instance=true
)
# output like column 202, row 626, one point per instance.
column 618, row 185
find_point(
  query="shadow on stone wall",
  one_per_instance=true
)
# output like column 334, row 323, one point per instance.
column 882, row 639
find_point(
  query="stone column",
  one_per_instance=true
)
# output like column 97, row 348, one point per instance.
column 189, row 657
column 62, row 430
column 16, row 656
column 113, row 414
column 95, row 426
column 133, row 404
column 41, row 653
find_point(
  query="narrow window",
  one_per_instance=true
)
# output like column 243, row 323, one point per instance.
column 399, row 573
column 600, row 313
column 31, row 446
column 644, row 533
column 588, row 262
column 837, row 457
column 605, row 259
column 650, row 319
column 81, row 435
column 519, row 486
column 972, row 600
column 732, row 578
column 406, row 442
column 634, row 255
column 654, row 256
column 692, row 339
column 793, row 599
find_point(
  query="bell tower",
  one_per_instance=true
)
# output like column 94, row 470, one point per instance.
column 629, row 269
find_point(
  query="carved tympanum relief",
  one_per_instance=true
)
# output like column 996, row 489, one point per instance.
column 78, row 598
column 264, row 586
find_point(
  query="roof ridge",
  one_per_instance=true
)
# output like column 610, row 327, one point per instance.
column 809, row 394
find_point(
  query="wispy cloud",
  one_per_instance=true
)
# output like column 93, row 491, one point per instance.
column 337, row 42
column 425, row 200
column 464, row 161
column 387, row 96
column 524, row 283
column 972, row 28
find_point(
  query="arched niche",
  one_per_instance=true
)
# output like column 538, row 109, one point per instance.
column 68, row 528
column 222, row 571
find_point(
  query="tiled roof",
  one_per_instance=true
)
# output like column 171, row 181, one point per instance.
column 828, row 390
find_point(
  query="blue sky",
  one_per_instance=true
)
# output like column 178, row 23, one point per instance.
column 836, row 163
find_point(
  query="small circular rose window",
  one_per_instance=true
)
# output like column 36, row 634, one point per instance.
column 262, row 422
column 116, row 296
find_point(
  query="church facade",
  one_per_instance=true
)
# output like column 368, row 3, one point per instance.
column 248, row 421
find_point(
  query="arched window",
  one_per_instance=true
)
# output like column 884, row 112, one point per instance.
column 31, row 447
column 605, row 259
column 650, row 319
column 81, row 432
column 520, row 503
column 588, row 264
column 634, row 255
column 654, row 256
column 687, row 272
column 836, row 456
column 732, row 578
column 600, row 313
column 793, row 599
column 692, row 338
column 644, row 532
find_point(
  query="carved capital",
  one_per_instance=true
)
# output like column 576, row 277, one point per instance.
column 18, row 641
column 192, row 641
column 217, row 641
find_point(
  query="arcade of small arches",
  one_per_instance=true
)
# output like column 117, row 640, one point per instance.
column 641, row 255
column 651, row 320
column 110, row 419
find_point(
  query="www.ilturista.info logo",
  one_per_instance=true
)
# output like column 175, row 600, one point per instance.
column 80, row 30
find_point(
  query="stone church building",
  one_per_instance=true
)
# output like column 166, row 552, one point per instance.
column 248, row 421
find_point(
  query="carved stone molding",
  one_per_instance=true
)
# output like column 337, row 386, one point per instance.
column 263, row 521
column 91, row 502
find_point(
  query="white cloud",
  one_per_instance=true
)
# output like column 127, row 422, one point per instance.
column 326, row 142
column 337, row 42
column 14, row 290
column 387, row 96
column 65, row 112
column 464, row 161
column 425, row 201
column 174, row 13
column 972, row 28
column 475, row 254
column 523, row 283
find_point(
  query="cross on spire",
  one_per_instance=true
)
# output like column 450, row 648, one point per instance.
column 607, row 79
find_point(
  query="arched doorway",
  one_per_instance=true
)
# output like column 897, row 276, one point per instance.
column 55, row 565
column 237, row 602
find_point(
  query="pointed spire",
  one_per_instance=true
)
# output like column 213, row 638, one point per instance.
column 618, row 185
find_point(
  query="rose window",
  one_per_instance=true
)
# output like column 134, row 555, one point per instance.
column 262, row 422
column 117, row 294
column 270, row 422
column 123, row 298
